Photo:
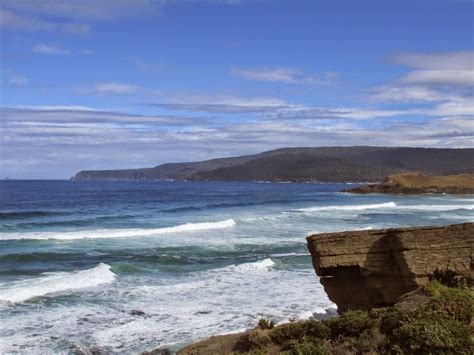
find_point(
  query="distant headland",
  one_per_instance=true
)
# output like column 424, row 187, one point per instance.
column 321, row 164
column 417, row 183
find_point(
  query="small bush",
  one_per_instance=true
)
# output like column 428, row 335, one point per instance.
column 308, row 348
column 350, row 323
column 449, row 302
column 449, row 278
column 390, row 319
column 363, row 342
column 287, row 332
column 257, row 339
column 295, row 332
column 434, row 334
column 266, row 324
column 317, row 329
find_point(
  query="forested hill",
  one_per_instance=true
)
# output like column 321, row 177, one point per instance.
column 322, row 164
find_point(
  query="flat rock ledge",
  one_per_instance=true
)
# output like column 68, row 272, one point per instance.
column 416, row 183
column 367, row 269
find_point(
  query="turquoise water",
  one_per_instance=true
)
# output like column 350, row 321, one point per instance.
column 127, row 267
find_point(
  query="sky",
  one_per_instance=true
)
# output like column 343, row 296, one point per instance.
column 106, row 84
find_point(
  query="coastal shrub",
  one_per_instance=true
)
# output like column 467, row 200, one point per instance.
column 308, row 347
column 449, row 278
column 286, row 332
column 317, row 329
column 390, row 319
column 350, row 323
column 449, row 302
column 258, row 339
column 364, row 341
column 434, row 334
column 299, row 330
column 266, row 324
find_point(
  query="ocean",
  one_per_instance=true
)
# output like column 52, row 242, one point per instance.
column 125, row 267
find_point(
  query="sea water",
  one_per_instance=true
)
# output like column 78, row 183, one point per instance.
column 125, row 267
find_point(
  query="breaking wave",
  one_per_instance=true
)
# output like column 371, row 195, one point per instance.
column 57, row 282
column 119, row 233
column 349, row 208
column 438, row 207
column 261, row 265
column 389, row 205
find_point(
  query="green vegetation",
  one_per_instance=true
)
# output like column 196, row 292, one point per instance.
column 449, row 278
column 434, row 319
column 266, row 324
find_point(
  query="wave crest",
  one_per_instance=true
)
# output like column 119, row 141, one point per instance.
column 57, row 282
column 261, row 265
column 119, row 233
column 350, row 207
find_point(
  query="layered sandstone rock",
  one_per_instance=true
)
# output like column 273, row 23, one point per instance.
column 366, row 269
column 417, row 183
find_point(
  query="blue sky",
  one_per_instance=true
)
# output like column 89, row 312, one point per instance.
column 90, row 84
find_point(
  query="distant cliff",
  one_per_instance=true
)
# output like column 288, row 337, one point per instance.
column 323, row 164
column 367, row 269
column 416, row 183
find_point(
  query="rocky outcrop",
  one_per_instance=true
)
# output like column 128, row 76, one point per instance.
column 417, row 183
column 366, row 269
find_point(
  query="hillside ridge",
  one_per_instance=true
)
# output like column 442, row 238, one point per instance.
column 304, row 164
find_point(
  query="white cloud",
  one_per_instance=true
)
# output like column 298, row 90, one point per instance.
column 97, row 10
column 115, row 88
column 450, row 68
column 109, row 88
column 13, row 21
column 282, row 75
column 10, row 20
column 439, row 77
column 219, row 103
column 437, row 61
column 391, row 93
column 71, row 114
column 48, row 49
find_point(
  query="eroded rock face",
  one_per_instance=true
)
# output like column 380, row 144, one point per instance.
column 366, row 269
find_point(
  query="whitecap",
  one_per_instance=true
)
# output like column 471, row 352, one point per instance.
column 56, row 282
column 350, row 207
column 436, row 207
column 261, row 265
column 119, row 233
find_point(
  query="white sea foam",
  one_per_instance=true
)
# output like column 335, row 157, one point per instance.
column 282, row 255
column 56, row 282
column 437, row 207
column 261, row 265
column 350, row 207
column 120, row 233
column 389, row 205
column 212, row 277
column 368, row 228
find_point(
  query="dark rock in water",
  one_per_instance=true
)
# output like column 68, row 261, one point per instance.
column 367, row 269
column 137, row 312
column 416, row 183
